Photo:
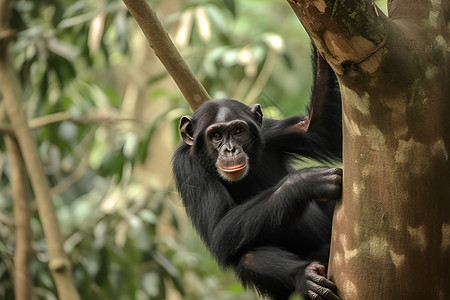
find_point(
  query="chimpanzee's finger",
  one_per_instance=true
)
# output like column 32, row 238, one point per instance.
column 313, row 273
column 321, row 291
column 314, row 296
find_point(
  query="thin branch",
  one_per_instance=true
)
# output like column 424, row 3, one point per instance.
column 93, row 118
column 22, row 216
column 193, row 91
column 7, row 220
column 50, row 119
column 7, row 34
column 70, row 180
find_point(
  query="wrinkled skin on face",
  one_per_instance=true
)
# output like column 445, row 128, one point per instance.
column 227, row 139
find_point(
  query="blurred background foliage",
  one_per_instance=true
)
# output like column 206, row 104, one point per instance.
column 105, row 115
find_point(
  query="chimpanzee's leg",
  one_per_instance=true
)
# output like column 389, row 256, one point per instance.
column 272, row 271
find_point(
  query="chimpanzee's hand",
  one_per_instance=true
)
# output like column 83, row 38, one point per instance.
column 320, row 183
column 319, row 287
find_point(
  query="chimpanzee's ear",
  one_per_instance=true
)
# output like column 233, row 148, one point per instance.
column 256, row 111
column 186, row 130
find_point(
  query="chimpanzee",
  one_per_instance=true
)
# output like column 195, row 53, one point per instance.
column 258, row 215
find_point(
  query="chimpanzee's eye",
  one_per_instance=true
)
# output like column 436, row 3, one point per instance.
column 217, row 135
column 238, row 130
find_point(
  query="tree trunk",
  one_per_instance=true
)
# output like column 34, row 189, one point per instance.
column 391, row 232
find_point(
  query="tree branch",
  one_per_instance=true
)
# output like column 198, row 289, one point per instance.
column 193, row 91
column 91, row 118
column 8, row 221
column 22, row 215
column 50, row 119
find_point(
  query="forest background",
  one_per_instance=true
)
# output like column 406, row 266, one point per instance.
column 105, row 115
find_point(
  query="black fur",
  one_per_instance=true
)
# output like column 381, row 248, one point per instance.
column 267, row 226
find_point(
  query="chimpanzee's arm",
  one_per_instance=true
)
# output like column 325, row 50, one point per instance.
column 230, row 229
column 272, row 212
column 319, row 135
column 227, row 227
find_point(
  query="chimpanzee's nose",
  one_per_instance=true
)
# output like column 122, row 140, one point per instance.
column 229, row 150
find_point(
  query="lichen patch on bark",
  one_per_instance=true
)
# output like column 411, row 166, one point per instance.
column 397, row 259
column 418, row 237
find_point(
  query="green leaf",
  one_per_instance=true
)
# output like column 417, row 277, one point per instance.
column 295, row 296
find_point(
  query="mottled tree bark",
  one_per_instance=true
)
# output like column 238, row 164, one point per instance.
column 391, row 234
